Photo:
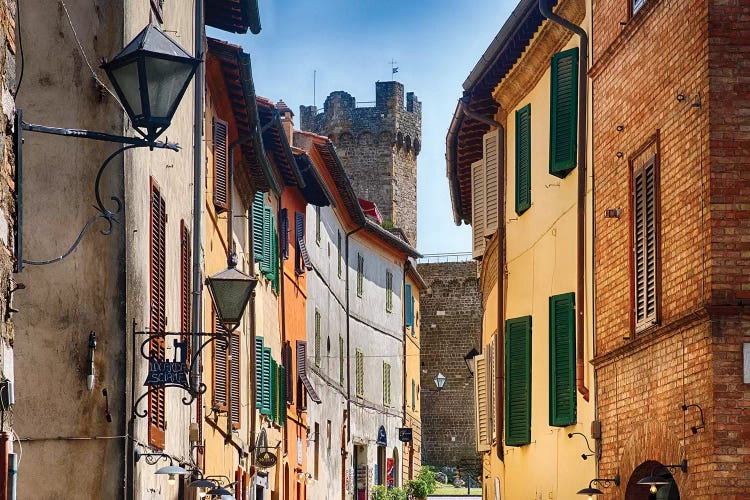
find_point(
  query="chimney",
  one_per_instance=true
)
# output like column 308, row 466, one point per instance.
column 287, row 119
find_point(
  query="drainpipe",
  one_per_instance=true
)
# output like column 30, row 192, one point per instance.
column 476, row 116
column 4, row 451
column 546, row 11
column 348, row 351
column 282, row 279
column 403, row 339
column 200, row 76
column 501, row 284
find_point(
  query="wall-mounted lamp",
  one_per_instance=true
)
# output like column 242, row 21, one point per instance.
column 439, row 381
column 230, row 292
column 469, row 360
column 612, row 213
column 202, row 485
column 92, row 347
column 695, row 428
column 171, row 470
column 601, row 481
column 655, row 481
column 150, row 76
column 584, row 456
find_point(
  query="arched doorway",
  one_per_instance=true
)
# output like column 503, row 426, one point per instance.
column 393, row 473
column 637, row 491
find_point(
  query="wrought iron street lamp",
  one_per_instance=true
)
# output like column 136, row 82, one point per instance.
column 150, row 76
column 171, row 470
column 230, row 292
column 591, row 491
column 654, row 481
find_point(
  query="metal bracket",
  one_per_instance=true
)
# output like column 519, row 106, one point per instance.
column 186, row 368
column 110, row 216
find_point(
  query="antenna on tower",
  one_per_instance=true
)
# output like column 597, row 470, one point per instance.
column 315, row 75
column 394, row 68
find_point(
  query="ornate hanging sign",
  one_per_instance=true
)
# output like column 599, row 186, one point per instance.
column 176, row 372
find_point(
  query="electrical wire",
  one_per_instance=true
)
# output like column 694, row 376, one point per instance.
column 80, row 49
column 20, row 49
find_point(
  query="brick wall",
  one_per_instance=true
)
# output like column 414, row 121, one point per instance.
column 677, row 68
column 450, row 325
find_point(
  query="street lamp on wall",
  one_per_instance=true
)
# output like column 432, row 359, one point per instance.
column 150, row 76
column 230, row 292
column 469, row 360
column 171, row 470
column 439, row 381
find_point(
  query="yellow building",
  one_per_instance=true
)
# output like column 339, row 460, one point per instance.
column 413, row 288
column 517, row 154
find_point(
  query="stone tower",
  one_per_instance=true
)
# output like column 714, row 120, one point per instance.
column 378, row 146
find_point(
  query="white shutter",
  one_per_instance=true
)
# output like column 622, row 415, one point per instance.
column 478, row 212
column 491, row 144
column 480, row 390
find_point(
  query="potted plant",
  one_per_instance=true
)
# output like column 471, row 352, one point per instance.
column 417, row 489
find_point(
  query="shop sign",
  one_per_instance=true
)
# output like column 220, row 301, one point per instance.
column 382, row 437
column 265, row 459
column 167, row 372
column 405, row 434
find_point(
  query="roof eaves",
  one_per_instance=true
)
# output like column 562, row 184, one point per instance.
column 248, row 89
column 391, row 239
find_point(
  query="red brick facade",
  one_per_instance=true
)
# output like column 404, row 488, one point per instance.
column 677, row 70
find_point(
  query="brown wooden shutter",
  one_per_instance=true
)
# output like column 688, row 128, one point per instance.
column 478, row 209
column 491, row 143
column 220, row 348
column 185, row 291
column 289, row 367
column 235, row 400
column 646, row 245
column 221, row 165
column 302, row 371
column 482, row 404
column 157, row 312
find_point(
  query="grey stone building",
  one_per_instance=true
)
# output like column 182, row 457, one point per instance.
column 451, row 324
column 379, row 146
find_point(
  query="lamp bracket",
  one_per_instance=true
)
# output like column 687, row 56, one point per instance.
column 177, row 372
column 110, row 216
column 606, row 482
column 695, row 428
column 584, row 456
column 151, row 458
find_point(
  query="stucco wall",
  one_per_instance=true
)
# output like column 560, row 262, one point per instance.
column 63, row 302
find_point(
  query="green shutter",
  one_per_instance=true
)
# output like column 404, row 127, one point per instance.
column 563, row 113
column 282, row 395
column 386, row 384
column 523, row 159
column 518, row 381
column 274, row 390
column 265, row 263
column 360, row 274
column 258, row 372
column 265, row 408
column 275, row 274
column 413, row 395
column 257, row 208
column 409, row 305
column 562, row 346
column 341, row 360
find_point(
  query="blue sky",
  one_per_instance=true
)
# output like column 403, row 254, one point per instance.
column 350, row 44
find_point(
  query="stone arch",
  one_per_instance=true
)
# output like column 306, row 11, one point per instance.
column 345, row 139
column 385, row 138
column 651, row 442
column 365, row 139
column 407, row 143
column 399, row 140
column 635, row 491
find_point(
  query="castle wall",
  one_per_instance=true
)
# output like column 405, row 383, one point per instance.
column 450, row 323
